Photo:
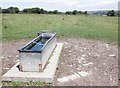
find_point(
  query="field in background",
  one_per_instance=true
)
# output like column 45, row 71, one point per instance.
column 17, row 26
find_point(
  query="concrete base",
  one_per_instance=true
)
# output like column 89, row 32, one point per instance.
column 46, row 76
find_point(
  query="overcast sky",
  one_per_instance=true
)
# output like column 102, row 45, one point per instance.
column 63, row 5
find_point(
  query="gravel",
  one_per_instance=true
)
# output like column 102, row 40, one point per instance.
column 82, row 62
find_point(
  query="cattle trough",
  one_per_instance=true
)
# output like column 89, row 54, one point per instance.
column 33, row 58
column 34, row 55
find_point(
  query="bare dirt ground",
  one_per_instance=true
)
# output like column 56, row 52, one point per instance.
column 82, row 62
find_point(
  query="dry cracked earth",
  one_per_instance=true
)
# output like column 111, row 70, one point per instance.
column 82, row 62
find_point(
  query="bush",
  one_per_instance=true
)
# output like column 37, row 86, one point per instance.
column 111, row 13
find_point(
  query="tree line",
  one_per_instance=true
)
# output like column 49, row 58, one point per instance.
column 36, row 10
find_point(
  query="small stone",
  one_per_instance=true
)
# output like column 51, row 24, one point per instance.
column 61, row 63
column 6, row 68
column 70, row 65
column 96, row 69
column 1, row 57
column 90, row 63
column 84, row 62
column 81, row 50
column 89, row 53
column 105, row 73
column 64, row 55
column 83, row 55
column 110, row 78
column 17, row 56
column 65, row 47
column 83, row 73
column 65, row 42
column 9, row 56
column 74, row 76
column 64, row 79
column 79, row 61
column 78, row 68
column 82, row 58
column 7, row 59
column 103, row 63
column 76, row 46
column 70, row 51
column 112, row 55
column 106, row 45
column 69, row 54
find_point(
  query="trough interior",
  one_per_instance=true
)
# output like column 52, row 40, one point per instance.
column 37, row 44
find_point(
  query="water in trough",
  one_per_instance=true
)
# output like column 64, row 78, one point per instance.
column 37, row 45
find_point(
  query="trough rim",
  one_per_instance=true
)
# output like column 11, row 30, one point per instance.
column 35, row 51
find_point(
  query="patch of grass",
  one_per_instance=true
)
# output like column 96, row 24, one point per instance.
column 17, row 26
column 63, row 48
column 17, row 83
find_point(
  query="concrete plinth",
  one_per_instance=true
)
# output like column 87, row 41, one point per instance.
column 46, row 76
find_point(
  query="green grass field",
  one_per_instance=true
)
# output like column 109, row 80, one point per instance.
column 17, row 26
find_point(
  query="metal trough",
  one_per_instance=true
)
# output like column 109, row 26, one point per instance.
column 34, row 55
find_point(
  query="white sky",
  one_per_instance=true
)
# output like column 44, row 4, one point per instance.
column 63, row 5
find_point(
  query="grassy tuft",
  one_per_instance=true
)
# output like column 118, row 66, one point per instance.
column 17, row 83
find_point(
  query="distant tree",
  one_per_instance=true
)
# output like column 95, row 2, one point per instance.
column 86, row 12
column 28, row 10
column 68, row 12
column 24, row 10
column 55, row 11
column 45, row 11
column 42, row 11
column 35, row 10
column 111, row 13
column 60, row 13
column 80, row 12
column 0, row 10
column 74, row 12
column 16, row 10
column 5, row 11
column 49, row 12
column 11, row 10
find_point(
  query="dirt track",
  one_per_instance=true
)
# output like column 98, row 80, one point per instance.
column 82, row 62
